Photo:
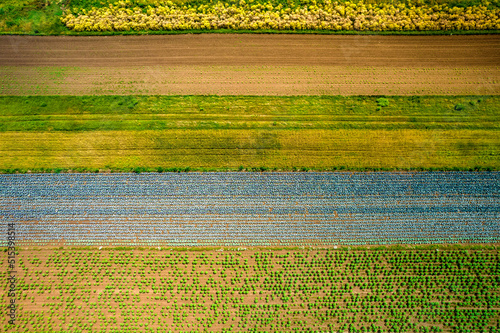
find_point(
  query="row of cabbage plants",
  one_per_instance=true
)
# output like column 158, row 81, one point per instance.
column 233, row 209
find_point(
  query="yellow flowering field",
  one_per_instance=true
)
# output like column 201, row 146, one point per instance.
column 326, row 16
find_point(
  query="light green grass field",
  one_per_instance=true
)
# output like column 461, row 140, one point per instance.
column 123, row 133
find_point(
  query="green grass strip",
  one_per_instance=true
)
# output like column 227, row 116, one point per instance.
column 140, row 113
column 211, row 133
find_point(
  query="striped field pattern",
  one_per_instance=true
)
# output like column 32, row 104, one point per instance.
column 265, row 209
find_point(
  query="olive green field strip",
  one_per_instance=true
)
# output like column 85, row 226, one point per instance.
column 256, row 290
column 250, row 65
column 283, row 133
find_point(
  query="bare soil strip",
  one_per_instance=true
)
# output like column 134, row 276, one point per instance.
column 248, row 80
column 270, row 50
column 250, row 65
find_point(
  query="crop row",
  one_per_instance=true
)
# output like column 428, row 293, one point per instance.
column 195, row 209
column 257, row 290
column 126, row 16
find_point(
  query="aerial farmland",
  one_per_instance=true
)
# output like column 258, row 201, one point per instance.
column 250, row 166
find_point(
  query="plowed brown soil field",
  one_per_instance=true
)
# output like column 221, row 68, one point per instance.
column 250, row 65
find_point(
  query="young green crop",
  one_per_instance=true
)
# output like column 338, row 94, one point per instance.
column 410, row 290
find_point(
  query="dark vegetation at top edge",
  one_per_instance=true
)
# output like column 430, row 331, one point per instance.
column 42, row 17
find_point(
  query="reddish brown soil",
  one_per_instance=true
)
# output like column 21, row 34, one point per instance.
column 250, row 64
column 267, row 50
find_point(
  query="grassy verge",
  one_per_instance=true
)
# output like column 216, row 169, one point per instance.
column 36, row 17
column 203, row 133
column 142, row 113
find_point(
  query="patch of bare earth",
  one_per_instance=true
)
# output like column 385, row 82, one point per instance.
column 250, row 65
